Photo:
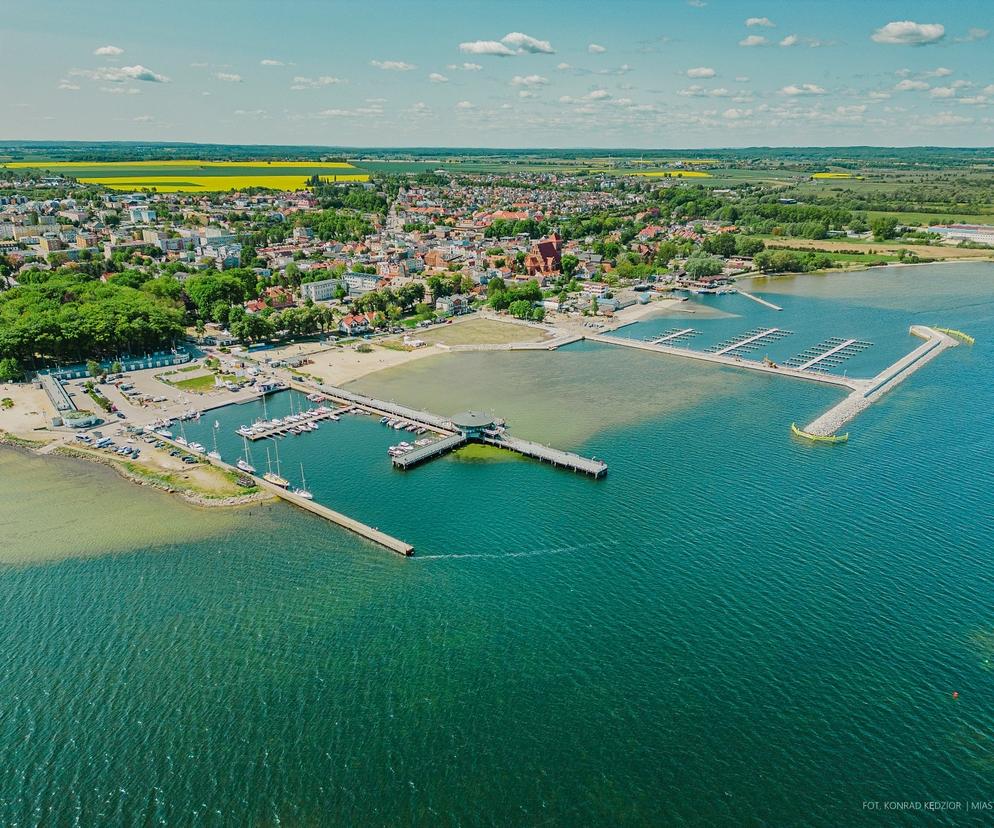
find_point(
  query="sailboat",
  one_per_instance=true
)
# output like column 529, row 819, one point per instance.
column 245, row 463
column 215, row 454
column 182, row 438
column 275, row 479
column 302, row 491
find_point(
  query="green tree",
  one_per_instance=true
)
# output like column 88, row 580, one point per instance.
column 883, row 228
column 10, row 370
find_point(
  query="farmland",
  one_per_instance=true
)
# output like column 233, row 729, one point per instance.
column 176, row 175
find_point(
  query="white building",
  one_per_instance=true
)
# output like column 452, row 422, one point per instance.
column 979, row 233
column 323, row 290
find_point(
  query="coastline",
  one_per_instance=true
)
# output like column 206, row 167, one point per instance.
column 859, row 267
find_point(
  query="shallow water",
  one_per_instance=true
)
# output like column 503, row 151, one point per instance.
column 732, row 627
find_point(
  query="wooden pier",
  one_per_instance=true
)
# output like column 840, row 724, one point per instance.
column 558, row 458
column 758, row 299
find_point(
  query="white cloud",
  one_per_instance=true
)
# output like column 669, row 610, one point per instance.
column 301, row 82
column 529, row 80
column 742, row 79
column 942, row 92
column 120, row 90
column 989, row 90
column 974, row 34
column 436, row 77
column 393, row 65
column 697, row 4
column 909, row 33
column 465, row 67
column 524, row 93
column 760, row 21
column 68, row 87
column 701, row 72
column 908, row 85
column 947, row 119
column 696, row 91
column 940, row 72
column 564, row 66
column 120, row 74
column 794, row 90
column 790, row 40
column 142, row 119
column 754, row 40
column 228, row 77
column 598, row 95
column 596, row 49
column 736, row 114
column 527, row 43
column 108, row 51
column 485, row 47
column 465, row 105
column 271, row 62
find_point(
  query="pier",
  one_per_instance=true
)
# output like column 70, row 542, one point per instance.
column 468, row 426
column 859, row 400
column 749, row 342
column 560, row 459
column 674, row 335
column 733, row 362
column 357, row 527
column 299, row 424
column 758, row 299
column 828, row 354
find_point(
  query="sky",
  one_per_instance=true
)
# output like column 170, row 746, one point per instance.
column 482, row 73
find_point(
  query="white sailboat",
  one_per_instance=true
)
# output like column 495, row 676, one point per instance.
column 275, row 479
column 215, row 454
column 245, row 463
column 302, row 491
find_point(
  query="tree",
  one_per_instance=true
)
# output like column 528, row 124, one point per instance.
column 94, row 368
column 538, row 314
column 720, row 244
column 883, row 228
column 568, row 264
column 10, row 370
column 520, row 309
column 703, row 267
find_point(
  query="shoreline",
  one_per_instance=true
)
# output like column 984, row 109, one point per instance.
column 859, row 268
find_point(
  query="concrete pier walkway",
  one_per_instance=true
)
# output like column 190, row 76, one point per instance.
column 758, row 299
column 859, row 400
column 561, row 459
column 734, row 362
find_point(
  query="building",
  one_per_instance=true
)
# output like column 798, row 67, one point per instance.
column 323, row 289
column 356, row 323
column 977, row 233
column 545, row 257
column 360, row 283
column 453, row 305
column 141, row 215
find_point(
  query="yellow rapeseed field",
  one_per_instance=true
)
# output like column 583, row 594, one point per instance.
column 112, row 165
column 832, row 175
column 212, row 183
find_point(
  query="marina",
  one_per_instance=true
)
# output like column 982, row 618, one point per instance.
column 748, row 342
column 828, row 354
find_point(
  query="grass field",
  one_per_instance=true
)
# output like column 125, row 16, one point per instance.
column 201, row 384
column 481, row 332
column 200, row 176
column 669, row 173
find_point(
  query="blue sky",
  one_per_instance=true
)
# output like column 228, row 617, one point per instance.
column 551, row 73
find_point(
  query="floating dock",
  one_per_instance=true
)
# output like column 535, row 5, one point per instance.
column 828, row 354
column 672, row 336
column 750, row 341
column 419, row 455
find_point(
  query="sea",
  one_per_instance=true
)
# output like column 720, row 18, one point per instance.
column 733, row 627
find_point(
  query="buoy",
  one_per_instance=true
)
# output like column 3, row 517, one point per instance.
column 955, row 694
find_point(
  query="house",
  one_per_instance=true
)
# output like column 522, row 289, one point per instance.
column 453, row 305
column 322, row 290
column 356, row 323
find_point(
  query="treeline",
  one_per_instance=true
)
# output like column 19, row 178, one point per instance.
column 67, row 317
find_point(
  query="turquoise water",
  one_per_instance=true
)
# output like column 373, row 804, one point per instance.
column 732, row 627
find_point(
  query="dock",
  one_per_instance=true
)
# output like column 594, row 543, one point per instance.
column 673, row 335
column 466, row 427
column 356, row 527
column 265, row 431
column 419, row 455
column 725, row 359
column 859, row 400
column 828, row 354
column 749, row 341
column 560, row 459
column 758, row 299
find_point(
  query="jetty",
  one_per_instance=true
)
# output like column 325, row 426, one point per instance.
column 831, row 421
column 750, row 341
column 673, row 335
column 726, row 359
column 357, row 527
column 457, row 430
column 758, row 299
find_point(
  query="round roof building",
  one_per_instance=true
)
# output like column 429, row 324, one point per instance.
column 472, row 422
